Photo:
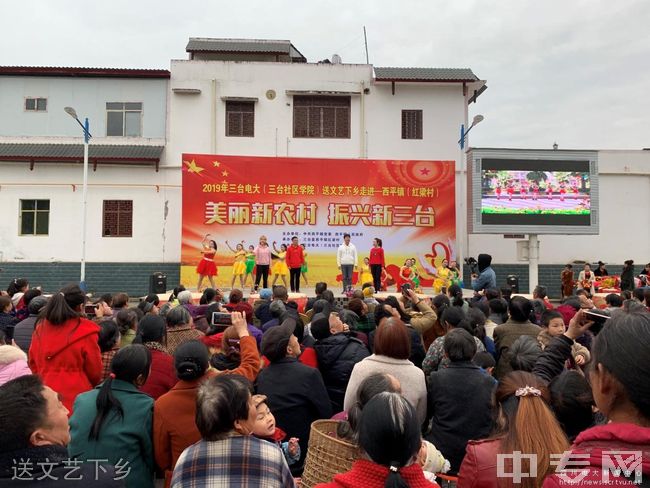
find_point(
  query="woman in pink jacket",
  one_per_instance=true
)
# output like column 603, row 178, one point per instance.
column 13, row 363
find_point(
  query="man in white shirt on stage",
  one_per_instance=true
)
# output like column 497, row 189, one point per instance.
column 346, row 260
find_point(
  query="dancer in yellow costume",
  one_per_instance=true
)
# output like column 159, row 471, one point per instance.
column 280, row 268
column 239, row 266
column 366, row 275
column 443, row 279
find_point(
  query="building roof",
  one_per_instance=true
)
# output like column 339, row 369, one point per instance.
column 97, row 153
column 244, row 46
column 425, row 74
column 64, row 71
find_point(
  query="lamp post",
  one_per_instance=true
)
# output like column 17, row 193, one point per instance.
column 86, row 130
column 463, row 242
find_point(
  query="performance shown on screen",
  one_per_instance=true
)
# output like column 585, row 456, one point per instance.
column 526, row 196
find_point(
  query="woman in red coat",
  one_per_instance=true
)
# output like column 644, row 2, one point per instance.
column 152, row 332
column 64, row 350
column 619, row 383
column 389, row 436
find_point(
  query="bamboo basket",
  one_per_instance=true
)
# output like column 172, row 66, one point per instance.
column 326, row 455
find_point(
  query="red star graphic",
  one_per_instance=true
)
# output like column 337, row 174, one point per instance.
column 425, row 171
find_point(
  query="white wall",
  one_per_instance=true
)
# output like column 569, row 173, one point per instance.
column 155, row 229
column 87, row 95
column 190, row 126
column 624, row 219
column 190, row 123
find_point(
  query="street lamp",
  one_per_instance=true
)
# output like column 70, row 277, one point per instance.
column 463, row 242
column 86, row 129
column 463, row 133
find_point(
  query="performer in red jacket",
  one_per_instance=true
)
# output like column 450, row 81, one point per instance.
column 64, row 350
column 377, row 262
column 294, row 259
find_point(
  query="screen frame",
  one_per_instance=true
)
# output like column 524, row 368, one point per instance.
column 542, row 160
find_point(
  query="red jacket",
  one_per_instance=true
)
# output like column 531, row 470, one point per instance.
column 294, row 257
column 67, row 357
column 479, row 466
column 594, row 444
column 377, row 256
column 162, row 376
column 370, row 475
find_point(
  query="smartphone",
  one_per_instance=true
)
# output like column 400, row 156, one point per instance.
column 91, row 309
column 221, row 318
column 596, row 317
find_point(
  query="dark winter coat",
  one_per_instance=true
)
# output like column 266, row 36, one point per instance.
column 7, row 323
column 296, row 395
column 627, row 278
column 553, row 358
column 337, row 355
column 460, row 399
column 23, row 332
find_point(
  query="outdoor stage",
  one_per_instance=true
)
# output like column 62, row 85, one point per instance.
column 309, row 292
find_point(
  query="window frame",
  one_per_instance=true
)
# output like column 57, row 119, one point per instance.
column 36, row 213
column 124, row 112
column 419, row 124
column 321, row 107
column 241, row 113
column 35, row 109
column 117, row 212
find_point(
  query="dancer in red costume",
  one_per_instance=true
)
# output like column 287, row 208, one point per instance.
column 562, row 191
column 510, row 190
column 207, row 266
column 535, row 189
column 549, row 191
column 498, row 192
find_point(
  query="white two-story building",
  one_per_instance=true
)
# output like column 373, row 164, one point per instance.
column 248, row 97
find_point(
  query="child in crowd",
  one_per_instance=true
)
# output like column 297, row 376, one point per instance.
column 369, row 294
column 266, row 429
column 553, row 326
column 432, row 461
column 485, row 361
column 7, row 317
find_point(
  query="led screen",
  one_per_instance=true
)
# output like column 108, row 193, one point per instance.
column 535, row 193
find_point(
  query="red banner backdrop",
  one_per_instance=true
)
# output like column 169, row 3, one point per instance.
column 410, row 205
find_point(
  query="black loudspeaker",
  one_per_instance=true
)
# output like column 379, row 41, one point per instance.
column 512, row 282
column 158, row 283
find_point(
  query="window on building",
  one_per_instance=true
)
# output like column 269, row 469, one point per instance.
column 117, row 218
column 124, row 119
column 34, row 217
column 240, row 119
column 321, row 116
column 411, row 124
column 35, row 104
